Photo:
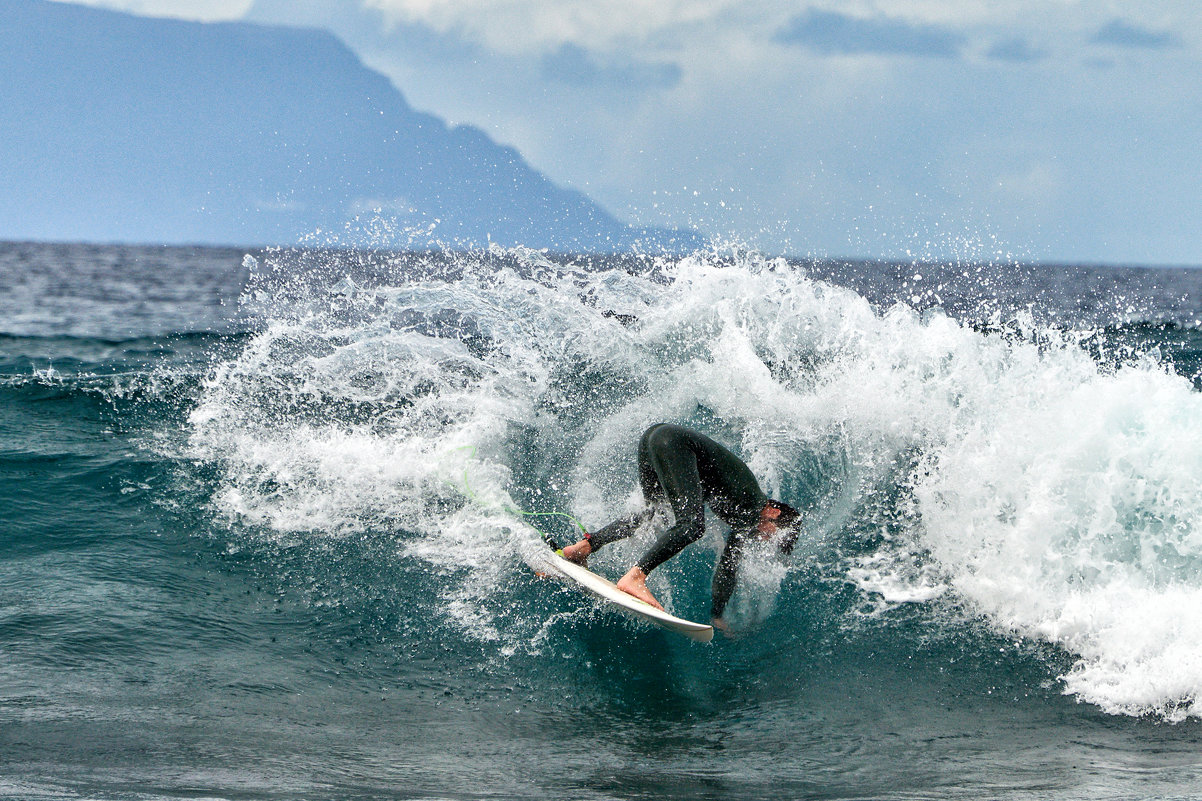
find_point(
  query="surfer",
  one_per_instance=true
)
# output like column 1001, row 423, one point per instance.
column 687, row 470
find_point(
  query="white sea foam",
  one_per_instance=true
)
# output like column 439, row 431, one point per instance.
column 1072, row 511
column 1059, row 500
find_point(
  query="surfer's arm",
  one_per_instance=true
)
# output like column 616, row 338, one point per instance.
column 725, row 575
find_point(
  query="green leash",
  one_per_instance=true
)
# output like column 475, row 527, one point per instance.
column 470, row 493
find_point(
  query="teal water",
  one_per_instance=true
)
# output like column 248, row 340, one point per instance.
column 254, row 541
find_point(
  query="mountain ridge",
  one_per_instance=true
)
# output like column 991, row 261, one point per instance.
column 138, row 129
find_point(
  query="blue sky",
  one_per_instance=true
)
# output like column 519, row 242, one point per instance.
column 1049, row 130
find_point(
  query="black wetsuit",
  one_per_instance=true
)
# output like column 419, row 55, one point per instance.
column 688, row 470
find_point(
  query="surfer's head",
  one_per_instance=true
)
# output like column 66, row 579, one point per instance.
column 780, row 517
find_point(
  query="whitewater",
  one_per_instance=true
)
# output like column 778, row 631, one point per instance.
column 1057, row 499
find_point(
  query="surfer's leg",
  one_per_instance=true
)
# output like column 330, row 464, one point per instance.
column 624, row 527
column 649, row 483
column 678, row 477
column 617, row 530
column 653, row 494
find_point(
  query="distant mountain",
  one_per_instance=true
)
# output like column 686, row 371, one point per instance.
column 115, row 127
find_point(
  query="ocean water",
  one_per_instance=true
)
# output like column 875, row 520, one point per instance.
column 259, row 540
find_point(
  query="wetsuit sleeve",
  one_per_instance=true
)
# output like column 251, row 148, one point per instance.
column 727, row 573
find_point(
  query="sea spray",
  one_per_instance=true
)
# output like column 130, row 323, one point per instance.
column 1054, row 496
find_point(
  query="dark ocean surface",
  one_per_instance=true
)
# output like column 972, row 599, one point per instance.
column 256, row 538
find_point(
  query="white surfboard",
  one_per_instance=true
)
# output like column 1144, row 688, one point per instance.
column 605, row 590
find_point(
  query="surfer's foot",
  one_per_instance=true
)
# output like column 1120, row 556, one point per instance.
column 635, row 583
column 578, row 552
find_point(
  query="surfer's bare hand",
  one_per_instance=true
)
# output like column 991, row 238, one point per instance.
column 635, row 583
column 578, row 552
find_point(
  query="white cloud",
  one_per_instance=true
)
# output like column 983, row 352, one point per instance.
column 203, row 10
column 517, row 26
